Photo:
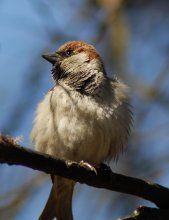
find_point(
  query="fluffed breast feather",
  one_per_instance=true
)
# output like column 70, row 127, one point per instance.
column 78, row 127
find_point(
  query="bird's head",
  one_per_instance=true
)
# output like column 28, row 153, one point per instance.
column 77, row 64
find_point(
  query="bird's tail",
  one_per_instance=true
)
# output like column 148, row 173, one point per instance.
column 59, row 203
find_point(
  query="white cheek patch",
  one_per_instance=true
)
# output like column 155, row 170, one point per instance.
column 74, row 63
column 80, row 63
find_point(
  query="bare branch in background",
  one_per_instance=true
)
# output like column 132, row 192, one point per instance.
column 20, row 197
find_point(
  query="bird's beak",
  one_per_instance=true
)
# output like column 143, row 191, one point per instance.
column 51, row 57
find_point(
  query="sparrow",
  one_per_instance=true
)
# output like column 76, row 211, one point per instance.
column 86, row 117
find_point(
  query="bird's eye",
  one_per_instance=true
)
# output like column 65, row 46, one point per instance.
column 68, row 52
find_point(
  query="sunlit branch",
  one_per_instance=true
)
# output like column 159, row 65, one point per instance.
column 14, row 154
column 147, row 213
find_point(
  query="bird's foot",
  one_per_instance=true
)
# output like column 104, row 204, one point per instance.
column 87, row 166
column 70, row 163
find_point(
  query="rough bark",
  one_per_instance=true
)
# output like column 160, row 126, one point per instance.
column 14, row 154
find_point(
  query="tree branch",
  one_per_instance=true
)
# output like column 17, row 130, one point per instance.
column 14, row 154
column 147, row 213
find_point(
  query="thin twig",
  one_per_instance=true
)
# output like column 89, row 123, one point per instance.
column 147, row 213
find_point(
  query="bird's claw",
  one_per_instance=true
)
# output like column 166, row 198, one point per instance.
column 88, row 166
column 70, row 163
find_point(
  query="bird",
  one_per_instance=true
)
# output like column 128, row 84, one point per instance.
column 86, row 117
